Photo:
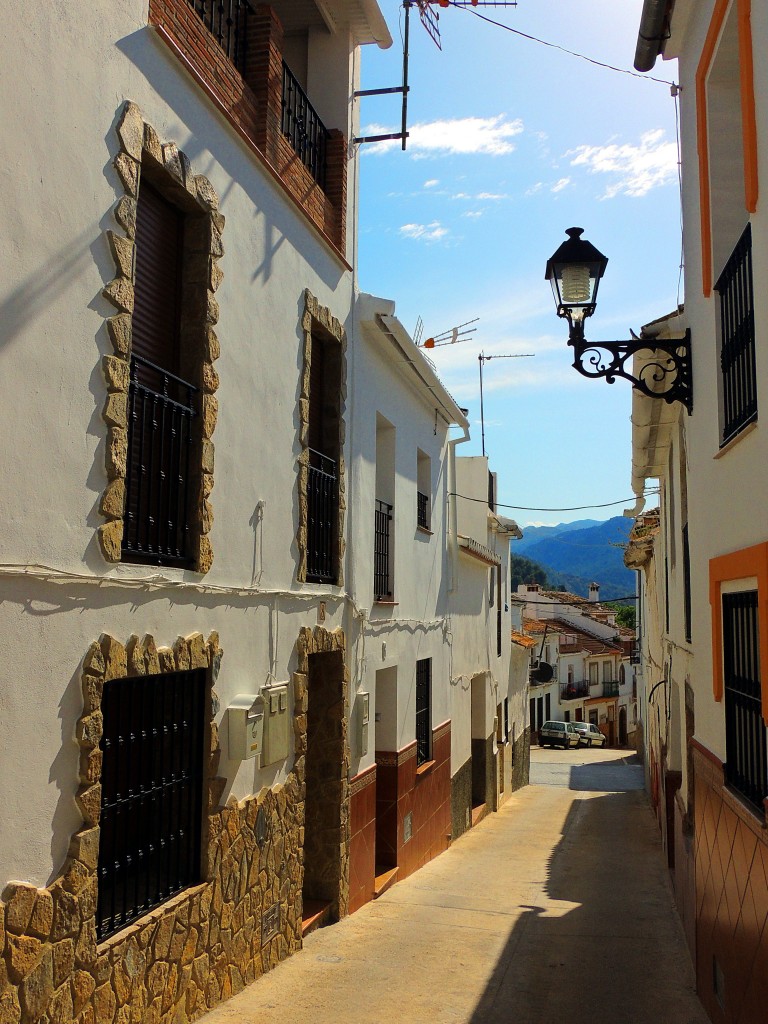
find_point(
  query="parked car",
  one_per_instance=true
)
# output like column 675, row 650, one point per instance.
column 558, row 734
column 589, row 735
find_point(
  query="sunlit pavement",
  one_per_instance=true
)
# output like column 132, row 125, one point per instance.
column 558, row 908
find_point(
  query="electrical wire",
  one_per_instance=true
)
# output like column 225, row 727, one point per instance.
column 563, row 49
column 572, row 508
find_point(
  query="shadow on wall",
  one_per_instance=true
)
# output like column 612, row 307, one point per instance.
column 606, row 945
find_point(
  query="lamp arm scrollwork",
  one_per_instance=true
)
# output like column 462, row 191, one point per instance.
column 666, row 375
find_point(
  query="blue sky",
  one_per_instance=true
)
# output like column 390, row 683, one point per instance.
column 511, row 143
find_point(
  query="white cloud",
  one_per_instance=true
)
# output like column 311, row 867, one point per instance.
column 491, row 195
column 473, row 213
column 424, row 232
column 635, row 169
column 560, row 185
column 489, row 136
column 534, row 188
column 431, row 183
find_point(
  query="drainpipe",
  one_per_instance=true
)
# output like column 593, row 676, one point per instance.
column 653, row 32
column 453, row 518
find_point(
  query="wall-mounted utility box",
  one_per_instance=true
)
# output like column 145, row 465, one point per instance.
column 246, row 727
column 277, row 724
column 363, row 702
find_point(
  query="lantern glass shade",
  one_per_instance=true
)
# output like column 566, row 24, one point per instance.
column 574, row 272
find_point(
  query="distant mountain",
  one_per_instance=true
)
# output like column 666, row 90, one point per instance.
column 574, row 558
column 534, row 534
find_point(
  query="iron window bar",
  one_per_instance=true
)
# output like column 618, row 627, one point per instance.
column 151, row 802
column 737, row 339
column 382, row 584
column 422, row 510
column 162, row 408
column 423, row 712
column 745, row 732
column 322, row 511
column 303, row 128
column 227, row 21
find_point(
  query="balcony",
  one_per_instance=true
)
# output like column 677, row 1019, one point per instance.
column 322, row 516
column 611, row 689
column 234, row 48
column 382, row 570
column 575, row 691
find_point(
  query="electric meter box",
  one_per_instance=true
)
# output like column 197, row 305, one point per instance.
column 363, row 713
column 277, row 724
column 246, row 727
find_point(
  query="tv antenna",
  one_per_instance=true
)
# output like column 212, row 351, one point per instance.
column 449, row 337
column 430, row 19
column 483, row 358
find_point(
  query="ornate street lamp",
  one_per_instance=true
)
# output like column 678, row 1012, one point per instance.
column 574, row 271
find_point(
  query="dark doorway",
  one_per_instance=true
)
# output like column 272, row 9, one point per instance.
column 623, row 727
column 322, row 815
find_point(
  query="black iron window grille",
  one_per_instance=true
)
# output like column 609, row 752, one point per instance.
column 382, row 582
column 737, row 339
column 303, row 128
column 611, row 688
column 686, row 584
column 423, row 710
column 491, row 492
column 227, row 21
column 160, row 442
column 745, row 733
column 422, row 510
column 573, row 691
column 151, row 797
column 322, row 515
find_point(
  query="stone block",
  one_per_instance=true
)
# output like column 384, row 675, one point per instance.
column 205, row 556
column 123, row 253
column 66, row 916
column 125, row 215
column 117, row 373
column 206, row 193
column 88, row 800
column 23, row 954
column 130, row 130
column 111, row 540
column 61, row 1009
column 63, row 961
column 152, row 145
column 113, row 499
column 119, row 330
column 198, row 655
column 181, row 651
column 129, row 171
column 115, row 658
column 120, row 293
column 115, row 414
column 210, row 412
column 135, row 653
column 89, row 729
column 42, row 915
column 212, row 349
column 151, row 656
column 90, row 765
column 83, row 986
column 20, row 901
column 36, row 989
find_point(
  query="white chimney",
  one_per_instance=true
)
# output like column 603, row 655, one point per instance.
column 594, row 592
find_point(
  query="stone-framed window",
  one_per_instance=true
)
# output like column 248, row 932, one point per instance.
column 321, row 475
column 161, row 416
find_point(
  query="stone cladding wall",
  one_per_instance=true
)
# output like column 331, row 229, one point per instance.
column 209, row 941
column 142, row 152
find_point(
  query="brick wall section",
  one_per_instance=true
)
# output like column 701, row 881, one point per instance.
column 254, row 104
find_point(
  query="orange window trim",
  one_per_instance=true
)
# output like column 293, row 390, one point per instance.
column 737, row 566
column 748, row 123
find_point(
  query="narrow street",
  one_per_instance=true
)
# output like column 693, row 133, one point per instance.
column 557, row 908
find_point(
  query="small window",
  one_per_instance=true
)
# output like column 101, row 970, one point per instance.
column 745, row 732
column 423, row 490
column 423, row 710
column 322, row 478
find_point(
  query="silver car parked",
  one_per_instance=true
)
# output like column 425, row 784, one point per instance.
column 589, row 734
column 558, row 734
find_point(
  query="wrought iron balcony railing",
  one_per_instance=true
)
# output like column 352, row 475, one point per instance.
column 611, row 689
column 322, row 513
column 227, row 21
column 382, row 575
column 737, row 339
column 160, row 441
column 575, row 691
column 303, row 128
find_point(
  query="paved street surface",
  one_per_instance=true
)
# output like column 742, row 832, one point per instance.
column 556, row 909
